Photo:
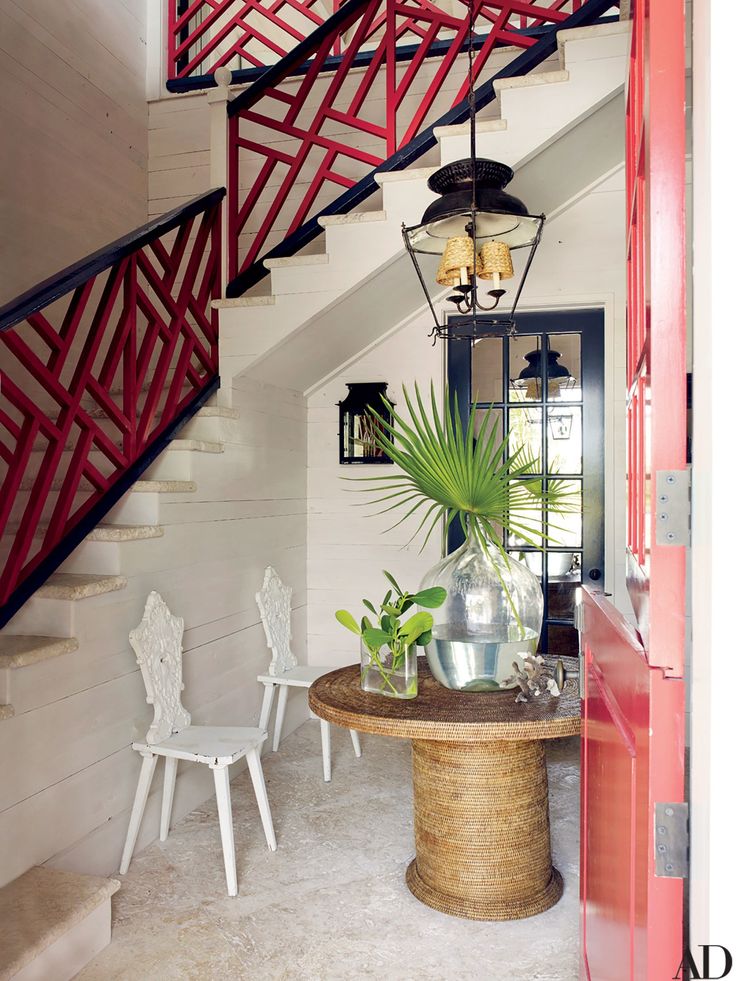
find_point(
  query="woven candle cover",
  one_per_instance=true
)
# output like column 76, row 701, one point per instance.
column 458, row 258
column 495, row 257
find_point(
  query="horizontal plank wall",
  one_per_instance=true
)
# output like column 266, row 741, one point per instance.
column 74, row 132
column 580, row 263
column 68, row 787
column 348, row 547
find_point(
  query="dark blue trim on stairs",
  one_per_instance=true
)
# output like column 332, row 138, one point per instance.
column 529, row 59
column 405, row 52
column 76, row 536
column 68, row 279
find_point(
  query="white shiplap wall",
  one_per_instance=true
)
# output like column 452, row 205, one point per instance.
column 579, row 264
column 68, row 787
column 74, row 132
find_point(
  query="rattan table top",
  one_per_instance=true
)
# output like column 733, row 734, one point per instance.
column 438, row 713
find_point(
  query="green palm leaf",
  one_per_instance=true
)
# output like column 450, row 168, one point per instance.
column 446, row 472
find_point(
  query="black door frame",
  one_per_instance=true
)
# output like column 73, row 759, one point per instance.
column 590, row 324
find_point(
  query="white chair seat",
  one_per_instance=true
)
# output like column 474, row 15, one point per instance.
column 302, row 676
column 274, row 603
column 157, row 645
column 216, row 745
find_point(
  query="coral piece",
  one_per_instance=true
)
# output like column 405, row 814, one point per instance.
column 531, row 678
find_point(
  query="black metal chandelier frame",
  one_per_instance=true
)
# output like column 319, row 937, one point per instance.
column 465, row 297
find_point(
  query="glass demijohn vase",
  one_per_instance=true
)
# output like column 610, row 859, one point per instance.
column 384, row 672
column 492, row 617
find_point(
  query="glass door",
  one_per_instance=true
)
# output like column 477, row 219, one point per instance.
column 545, row 387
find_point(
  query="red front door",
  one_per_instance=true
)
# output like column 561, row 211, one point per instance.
column 633, row 705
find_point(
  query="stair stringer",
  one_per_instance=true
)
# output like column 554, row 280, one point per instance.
column 535, row 110
column 71, row 692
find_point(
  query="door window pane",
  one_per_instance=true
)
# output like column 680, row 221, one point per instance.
column 487, row 370
column 565, row 439
column 564, row 382
column 525, row 357
column 563, row 579
column 565, row 527
column 525, row 434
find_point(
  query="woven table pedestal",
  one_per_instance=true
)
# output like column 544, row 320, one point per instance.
column 481, row 816
column 481, row 825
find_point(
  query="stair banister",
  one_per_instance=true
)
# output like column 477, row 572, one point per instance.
column 101, row 365
column 279, row 106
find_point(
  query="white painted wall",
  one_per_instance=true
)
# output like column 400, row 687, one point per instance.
column 70, row 774
column 580, row 264
column 74, row 132
column 712, row 793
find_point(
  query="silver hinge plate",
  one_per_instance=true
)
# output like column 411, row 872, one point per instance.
column 671, row 840
column 673, row 507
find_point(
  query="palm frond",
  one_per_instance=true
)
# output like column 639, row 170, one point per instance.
column 447, row 471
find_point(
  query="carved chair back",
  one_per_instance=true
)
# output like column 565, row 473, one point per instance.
column 274, row 603
column 157, row 645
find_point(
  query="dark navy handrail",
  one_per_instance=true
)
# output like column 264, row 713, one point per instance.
column 79, row 272
column 592, row 11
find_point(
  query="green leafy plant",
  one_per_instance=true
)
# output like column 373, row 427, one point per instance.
column 448, row 471
column 388, row 633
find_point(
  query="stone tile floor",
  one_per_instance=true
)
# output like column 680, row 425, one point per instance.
column 331, row 904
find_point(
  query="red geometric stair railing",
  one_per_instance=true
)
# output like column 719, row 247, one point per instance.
column 204, row 35
column 248, row 35
column 101, row 364
column 299, row 136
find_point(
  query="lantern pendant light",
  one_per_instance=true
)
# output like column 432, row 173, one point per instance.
column 473, row 228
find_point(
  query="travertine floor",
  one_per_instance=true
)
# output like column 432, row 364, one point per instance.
column 331, row 904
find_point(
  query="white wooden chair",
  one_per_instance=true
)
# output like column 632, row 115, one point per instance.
column 157, row 645
column 274, row 603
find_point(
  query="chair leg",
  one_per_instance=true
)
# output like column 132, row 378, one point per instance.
column 356, row 743
column 268, row 693
column 326, row 760
column 139, row 803
column 280, row 710
column 169, row 782
column 259, row 785
column 225, row 814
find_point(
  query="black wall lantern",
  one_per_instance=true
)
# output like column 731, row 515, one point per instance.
column 358, row 425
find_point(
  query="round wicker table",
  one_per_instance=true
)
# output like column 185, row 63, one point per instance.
column 481, row 816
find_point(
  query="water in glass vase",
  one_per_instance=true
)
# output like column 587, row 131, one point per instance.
column 492, row 616
column 478, row 661
column 384, row 672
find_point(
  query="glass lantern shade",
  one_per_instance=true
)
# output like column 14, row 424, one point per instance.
column 559, row 378
column 473, row 211
column 358, row 425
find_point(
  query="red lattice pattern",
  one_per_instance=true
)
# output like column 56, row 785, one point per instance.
column 92, row 379
column 207, row 34
column 296, row 145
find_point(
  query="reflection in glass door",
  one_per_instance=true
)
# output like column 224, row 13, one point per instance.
column 545, row 387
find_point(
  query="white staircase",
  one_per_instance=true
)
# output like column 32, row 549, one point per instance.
column 44, row 628
column 535, row 111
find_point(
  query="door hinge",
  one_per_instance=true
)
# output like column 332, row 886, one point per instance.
column 672, row 523
column 671, row 840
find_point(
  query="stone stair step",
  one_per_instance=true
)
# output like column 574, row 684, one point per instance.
column 77, row 586
column 124, row 533
column 352, row 218
column 52, row 923
column 195, row 445
column 320, row 259
column 24, row 649
column 244, row 301
column 163, row 487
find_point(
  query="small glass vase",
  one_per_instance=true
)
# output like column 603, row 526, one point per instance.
column 385, row 673
column 492, row 617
